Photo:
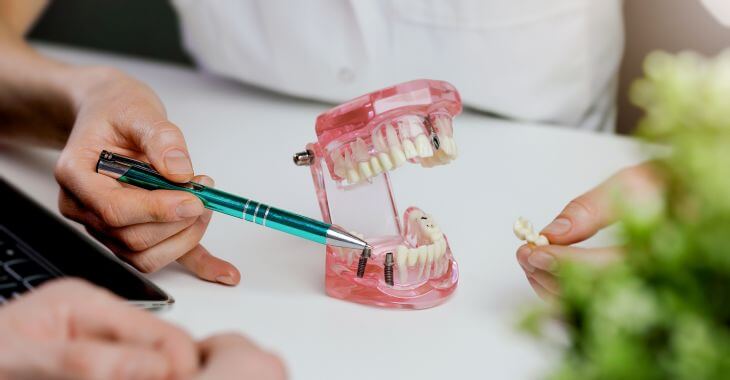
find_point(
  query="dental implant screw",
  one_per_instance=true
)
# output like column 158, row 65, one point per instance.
column 304, row 158
column 388, row 269
column 363, row 262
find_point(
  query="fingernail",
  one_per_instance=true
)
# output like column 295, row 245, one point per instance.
column 522, row 255
column 226, row 280
column 542, row 260
column 177, row 162
column 189, row 209
column 207, row 181
column 558, row 226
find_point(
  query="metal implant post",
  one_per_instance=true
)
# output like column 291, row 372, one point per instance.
column 363, row 262
column 388, row 269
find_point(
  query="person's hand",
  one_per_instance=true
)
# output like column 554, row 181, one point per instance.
column 231, row 356
column 148, row 229
column 582, row 218
column 69, row 329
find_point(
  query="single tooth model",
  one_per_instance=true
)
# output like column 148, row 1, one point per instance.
column 524, row 231
column 409, row 263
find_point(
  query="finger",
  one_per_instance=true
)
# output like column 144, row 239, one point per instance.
column 547, row 258
column 147, row 127
column 547, row 280
column 119, row 206
column 104, row 360
column 231, row 356
column 89, row 312
column 140, row 237
column 539, row 290
column 590, row 212
column 171, row 249
column 523, row 253
column 209, row 267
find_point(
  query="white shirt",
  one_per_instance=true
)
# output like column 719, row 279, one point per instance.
column 550, row 61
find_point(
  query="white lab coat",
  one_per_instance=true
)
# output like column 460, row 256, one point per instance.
column 551, row 61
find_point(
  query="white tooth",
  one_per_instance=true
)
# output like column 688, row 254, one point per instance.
column 436, row 235
column 365, row 169
column 422, row 257
column 375, row 165
column 429, row 261
column 397, row 155
column 392, row 136
column 444, row 144
column 385, row 161
column 350, row 257
column 352, row 175
column 532, row 237
column 542, row 240
column 454, row 149
column 409, row 149
column 412, row 256
column 423, row 146
column 518, row 229
column 440, row 247
column 441, row 157
column 379, row 140
column 339, row 165
column 401, row 258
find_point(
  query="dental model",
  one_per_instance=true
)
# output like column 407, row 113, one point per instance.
column 359, row 144
column 524, row 231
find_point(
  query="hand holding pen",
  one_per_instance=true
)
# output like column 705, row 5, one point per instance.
column 147, row 229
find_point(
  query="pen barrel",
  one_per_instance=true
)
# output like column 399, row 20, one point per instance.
column 234, row 205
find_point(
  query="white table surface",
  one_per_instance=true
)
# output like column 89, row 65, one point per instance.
column 244, row 138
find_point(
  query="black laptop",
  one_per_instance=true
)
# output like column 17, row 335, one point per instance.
column 35, row 247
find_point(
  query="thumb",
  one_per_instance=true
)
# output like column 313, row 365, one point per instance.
column 594, row 210
column 147, row 127
column 107, row 360
column 164, row 144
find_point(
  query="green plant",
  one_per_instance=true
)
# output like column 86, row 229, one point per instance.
column 664, row 311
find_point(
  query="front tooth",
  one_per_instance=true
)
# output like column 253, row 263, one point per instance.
column 365, row 169
column 423, row 146
column 392, row 136
column 409, row 149
column 375, row 165
column 397, row 155
column 352, row 175
column 401, row 258
column 385, row 161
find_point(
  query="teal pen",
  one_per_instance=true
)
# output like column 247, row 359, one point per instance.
column 143, row 175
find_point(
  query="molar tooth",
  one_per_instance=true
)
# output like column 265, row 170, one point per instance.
column 429, row 267
column 440, row 247
column 423, row 146
column 409, row 149
column 401, row 257
column 542, row 240
column 422, row 259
